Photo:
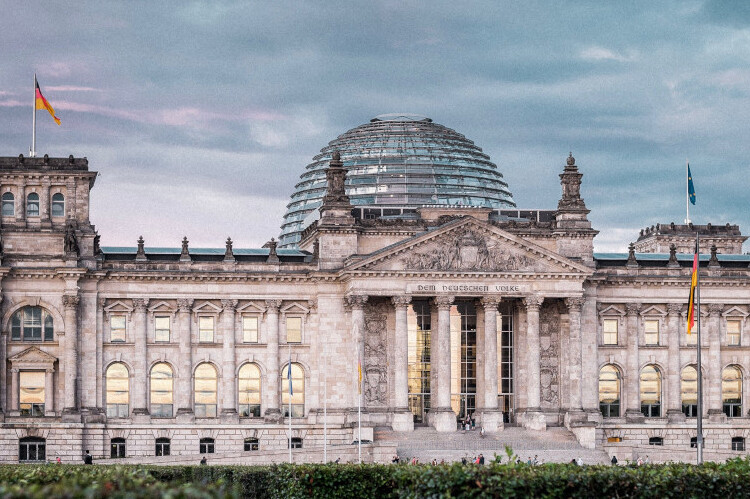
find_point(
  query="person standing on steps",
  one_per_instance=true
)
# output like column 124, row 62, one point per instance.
column 87, row 458
column 614, row 460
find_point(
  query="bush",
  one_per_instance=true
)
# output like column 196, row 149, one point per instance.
column 376, row 481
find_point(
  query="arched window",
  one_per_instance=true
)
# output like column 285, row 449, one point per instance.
column 252, row 444
column 249, row 391
column 162, row 447
column 32, row 324
column 738, row 443
column 117, row 447
column 32, row 450
column 161, row 391
column 205, row 391
column 609, row 391
column 58, row 205
column 731, row 391
column 32, row 205
column 689, row 391
column 297, row 393
column 651, row 391
column 207, row 446
column 118, row 390
column 9, row 204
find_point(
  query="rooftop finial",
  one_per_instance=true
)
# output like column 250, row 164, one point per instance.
column 571, row 159
column 185, row 254
column 229, row 253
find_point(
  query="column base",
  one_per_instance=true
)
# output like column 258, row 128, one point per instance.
column 185, row 415
column 71, row 415
column 594, row 416
column 229, row 416
column 443, row 419
column 634, row 416
column 272, row 416
column 403, row 420
column 93, row 415
column 533, row 419
column 574, row 416
column 716, row 416
column 675, row 416
column 491, row 420
column 141, row 415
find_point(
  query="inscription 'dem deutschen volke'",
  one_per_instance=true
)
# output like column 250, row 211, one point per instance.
column 466, row 288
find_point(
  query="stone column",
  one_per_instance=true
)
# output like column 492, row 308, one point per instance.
column 21, row 211
column 44, row 203
column 273, row 413
column 674, row 401
column 70, row 402
column 715, row 403
column 590, row 355
column 185, row 378
column 442, row 417
column 633, row 376
column 575, row 305
column 14, row 390
column 229, row 380
column 491, row 417
column 49, row 393
column 402, row 417
column 532, row 418
column 140, row 360
column 99, row 355
column 357, row 304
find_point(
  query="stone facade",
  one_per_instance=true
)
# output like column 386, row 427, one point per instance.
column 519, row 319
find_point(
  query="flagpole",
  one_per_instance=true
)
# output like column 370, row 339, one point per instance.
column 289, row 371
column 32, row 152
column 325, row 402
column 699, row 439
column 359, row 411
column 687, row 191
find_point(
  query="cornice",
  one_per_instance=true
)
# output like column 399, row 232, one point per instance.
column 462, row 274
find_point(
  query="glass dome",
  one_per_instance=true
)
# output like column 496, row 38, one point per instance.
column 395, row 164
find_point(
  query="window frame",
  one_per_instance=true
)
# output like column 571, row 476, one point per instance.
column 161, row 413
column 616, row 332
column 20, row 325
column 651, row 409
column 297, row 408
column 648, row 336
column 35, row 409
column 57, row 203
column 161, row 445
column 157, row 329
column 294, row 317
column 738, row 444
column 252, row 410
column 207, row 446
column 689, row 410
column 295, row 443
column 246, row 331
column 119, row 410
column 32, row 202
column 732, row 334
column 608, row 408
column 38, row 443
column 732, row 408
column 117, row 448
column 251, row 444
column 124, row 328
column 659, row 441
column 8, row 201
column 202, row 330
column 206, row 410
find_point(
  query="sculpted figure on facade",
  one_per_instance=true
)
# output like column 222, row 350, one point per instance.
column 71, row 243
column 376, row 384
column 549, row 353
column 467, row 249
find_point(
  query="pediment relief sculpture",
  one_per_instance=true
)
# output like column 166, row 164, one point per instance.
column 467, row 249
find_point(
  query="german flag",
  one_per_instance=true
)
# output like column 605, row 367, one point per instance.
column 693, row 286
column 41, row 103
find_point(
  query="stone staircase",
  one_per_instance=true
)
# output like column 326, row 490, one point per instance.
column 553, row 445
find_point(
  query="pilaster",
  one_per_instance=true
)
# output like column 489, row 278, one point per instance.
column 273, row 413
column 674, row 400
column 229, row 399
column 575, row 370
column 71, row 408
column 140, row 360
column 185, row 377
column 442, row 417
column 633, row 412
column 715, row 402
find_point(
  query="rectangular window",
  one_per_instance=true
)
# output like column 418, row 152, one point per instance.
column 31, row 393
column 249, row 329
column 161, row 329
column 614, row 440
column 610, row 331
column 733, row 332
column 651, row 332
column 294, row 329
column 206, row 328
column 117, row 328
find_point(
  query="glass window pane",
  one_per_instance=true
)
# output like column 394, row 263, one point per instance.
column 249, row 329
column 117, row 328
column 610, row 331
column 294, row 330
column 651, row 332
column 161, row 328
column 206, row 326
column 31, row 387
column 733, row 332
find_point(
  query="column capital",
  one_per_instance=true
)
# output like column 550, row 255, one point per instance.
column 444, row 302
column 356, row 301
column 273, row 305
column 533, row 302
column 229, row 305
column 401, row 301
column 185, row 304
column 140, row 304
column 674, row 309
column 71, row 301
column 715, row 309
column 100, row 302
column 490, row 301
column 575, row 303
column 632, row 308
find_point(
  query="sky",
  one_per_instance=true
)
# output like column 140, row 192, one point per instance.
column 200, row 116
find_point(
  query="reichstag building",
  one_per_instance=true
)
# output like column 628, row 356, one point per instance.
column 402, row 250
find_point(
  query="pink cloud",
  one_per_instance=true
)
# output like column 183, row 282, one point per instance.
column 71, row 88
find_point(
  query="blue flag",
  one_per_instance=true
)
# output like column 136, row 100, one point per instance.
column 289, row 377
column 691, row 189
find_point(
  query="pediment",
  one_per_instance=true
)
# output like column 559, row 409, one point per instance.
column 469, row 245
column 33, row 355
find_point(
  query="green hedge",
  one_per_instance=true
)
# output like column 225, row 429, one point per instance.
column 376, row 481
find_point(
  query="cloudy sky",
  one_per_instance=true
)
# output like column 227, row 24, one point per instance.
column 200, row 116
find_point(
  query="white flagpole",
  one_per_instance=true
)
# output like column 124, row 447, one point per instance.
column 32, row 152
column 325, row 402
column 359, row 393
column 699, row 438
column 289, row 378
column 687, row 191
